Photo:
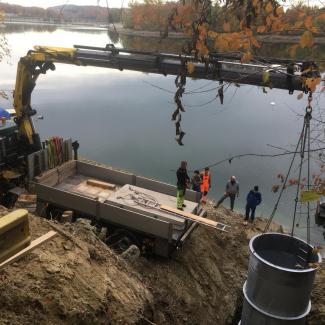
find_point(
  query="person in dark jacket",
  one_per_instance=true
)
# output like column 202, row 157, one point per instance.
column 183, row 182
column 196, row 182
column 254, row 198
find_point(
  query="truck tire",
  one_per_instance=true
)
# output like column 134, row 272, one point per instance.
column 121, row 240
column 53, row 213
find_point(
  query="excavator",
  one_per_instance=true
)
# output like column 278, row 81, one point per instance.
column 19, row 138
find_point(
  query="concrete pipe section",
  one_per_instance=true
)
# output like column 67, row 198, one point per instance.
column 280, row 280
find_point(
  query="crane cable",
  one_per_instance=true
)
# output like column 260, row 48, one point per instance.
column 309, row 109
column 304, row 139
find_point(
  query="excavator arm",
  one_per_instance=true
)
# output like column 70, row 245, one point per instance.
column 216, row 67
column 29, row 68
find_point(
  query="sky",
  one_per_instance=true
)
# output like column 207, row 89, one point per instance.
column 111, row 3
column 50, row 3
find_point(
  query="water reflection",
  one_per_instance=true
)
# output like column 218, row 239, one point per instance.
column 154, row 44
column 168, row 45
column 22, row 28
column 281, row 50
column 15, row 27
column 114, row 37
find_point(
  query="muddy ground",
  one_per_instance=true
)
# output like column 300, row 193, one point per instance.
column 77, row 279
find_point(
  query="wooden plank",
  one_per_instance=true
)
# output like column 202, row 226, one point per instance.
column 34, row 244
column 191, row 216
column 72, row 164
column 51, row 177
column 27, row 198
column 103, row 185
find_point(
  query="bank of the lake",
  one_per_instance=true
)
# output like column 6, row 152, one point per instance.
column 265, row 38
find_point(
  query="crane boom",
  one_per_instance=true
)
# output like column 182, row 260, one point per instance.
column 170, row 64
column 42, row 59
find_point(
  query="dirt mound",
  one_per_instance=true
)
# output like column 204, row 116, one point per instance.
column 76, row 279
column 202, row 283
column 317, row 314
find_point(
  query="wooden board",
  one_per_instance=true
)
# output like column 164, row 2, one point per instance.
column 92, row 191
column 50, row 178
column 67, row 169
column 27, row 198
column 191, row 216
column 103, row 185
column 34, row 244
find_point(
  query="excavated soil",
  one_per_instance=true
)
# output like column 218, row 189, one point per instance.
column 76, row 279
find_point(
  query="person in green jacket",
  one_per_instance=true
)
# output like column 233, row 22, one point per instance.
column 183, row 182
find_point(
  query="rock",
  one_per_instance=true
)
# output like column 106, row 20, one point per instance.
column 131, row 254
column 68, row 246
column 95, row 255
column 52, row 269
column 159, row 318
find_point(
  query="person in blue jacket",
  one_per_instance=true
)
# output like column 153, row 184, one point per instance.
column 254, row 198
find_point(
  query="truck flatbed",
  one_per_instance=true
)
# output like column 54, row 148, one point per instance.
column 118, row 200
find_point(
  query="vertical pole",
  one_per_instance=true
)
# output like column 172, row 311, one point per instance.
column 308, row 113
column 308, row 184
column 302, row 154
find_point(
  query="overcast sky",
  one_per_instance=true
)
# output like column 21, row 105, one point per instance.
column 50, row 3
column 111, row 3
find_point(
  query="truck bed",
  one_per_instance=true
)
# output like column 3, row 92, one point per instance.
column 128, row 201
column 78, row 184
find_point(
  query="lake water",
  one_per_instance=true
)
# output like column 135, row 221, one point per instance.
column 122, row 120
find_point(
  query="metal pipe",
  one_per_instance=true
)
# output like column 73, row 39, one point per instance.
column 279, row 280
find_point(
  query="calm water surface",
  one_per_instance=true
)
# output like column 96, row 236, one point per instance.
column 122, row 120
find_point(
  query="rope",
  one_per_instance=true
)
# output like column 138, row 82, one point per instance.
column 302, row 155
column 284, row 185
column 304, row 139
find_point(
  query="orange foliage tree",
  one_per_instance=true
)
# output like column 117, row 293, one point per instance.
column 232, row 25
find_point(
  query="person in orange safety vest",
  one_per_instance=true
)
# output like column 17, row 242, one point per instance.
column 205, row 184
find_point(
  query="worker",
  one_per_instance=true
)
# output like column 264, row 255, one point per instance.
column 196, row 185
column 232, row 190
column 205, row 184
column 196, row 181
column 253, row 199
column 183, row 182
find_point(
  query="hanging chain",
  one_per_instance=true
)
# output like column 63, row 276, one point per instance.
column 180, row 83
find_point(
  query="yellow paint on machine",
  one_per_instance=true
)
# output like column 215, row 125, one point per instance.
column 14, row 233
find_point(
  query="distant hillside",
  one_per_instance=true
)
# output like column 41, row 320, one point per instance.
column 28, row 12
column 87, row 13
column 68, row 13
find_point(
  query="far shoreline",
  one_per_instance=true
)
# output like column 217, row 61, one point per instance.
column 274, row 39
column 118, row 28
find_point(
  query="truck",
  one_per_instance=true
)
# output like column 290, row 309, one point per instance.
column 127, row 205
